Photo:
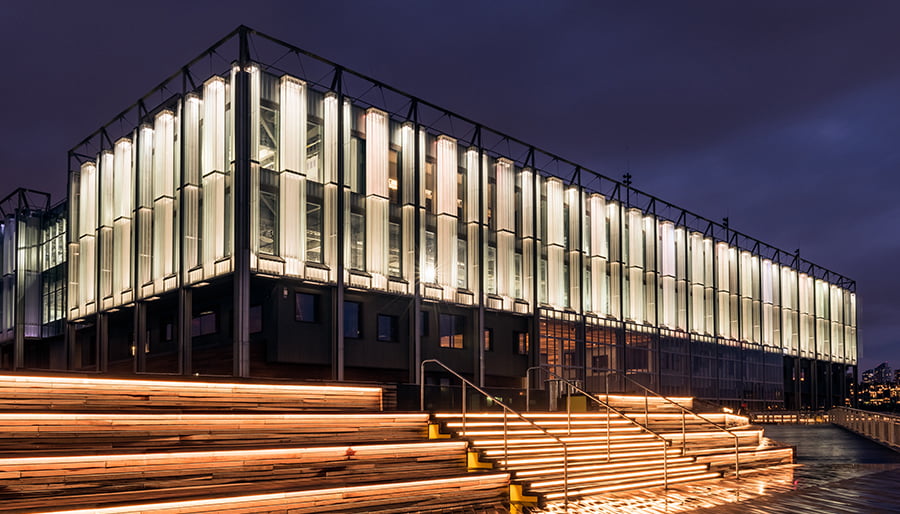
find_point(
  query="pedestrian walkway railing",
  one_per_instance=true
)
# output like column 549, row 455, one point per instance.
column 795, row 417
column 506, row 412
column 879, row 427
column 572, row 386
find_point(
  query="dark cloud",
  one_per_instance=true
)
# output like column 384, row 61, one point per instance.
column 783, row 116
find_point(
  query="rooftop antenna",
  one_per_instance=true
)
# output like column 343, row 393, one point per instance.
column 627, row 177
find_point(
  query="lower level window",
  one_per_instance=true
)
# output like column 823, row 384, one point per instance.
column 452, row 330
column 352, row 326
column 387, row 328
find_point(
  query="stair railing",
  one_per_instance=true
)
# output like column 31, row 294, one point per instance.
column 506, row 411
column 684, row 411
column 609, row 408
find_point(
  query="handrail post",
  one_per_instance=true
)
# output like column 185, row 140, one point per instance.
column 666, row 463
column 528, row 390
column 565, row 475
column 422, row 386
column 505, row 441
column 568, row 410
column 464, row 406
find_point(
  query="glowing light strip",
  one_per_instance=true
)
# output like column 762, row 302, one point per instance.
column 591, row 456
column 236, row 455
column 298, row 495
column 599, row 467
column 546, row 440
column 596, row 447
column 635, row 485
column 193, row 418
column 106, row 382
column 616, row 476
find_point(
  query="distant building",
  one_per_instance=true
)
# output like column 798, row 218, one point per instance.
column 267, row 221
column 883, row 374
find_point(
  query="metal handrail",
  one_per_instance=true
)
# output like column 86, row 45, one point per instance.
column 684, row 410
column 506, row 409
column 666, row 442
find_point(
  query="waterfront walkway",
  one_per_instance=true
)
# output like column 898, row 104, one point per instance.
column 836, row 471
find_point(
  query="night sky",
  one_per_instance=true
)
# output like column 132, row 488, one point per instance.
column 783, row 116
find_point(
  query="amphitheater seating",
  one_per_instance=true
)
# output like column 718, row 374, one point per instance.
column 67, row 394
column 23, row 434
column 167, row 446
column 115, row 446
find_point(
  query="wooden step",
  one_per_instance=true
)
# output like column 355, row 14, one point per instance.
column 32, row 483
column 68, row 394
column 67, row 434
column 463, row 493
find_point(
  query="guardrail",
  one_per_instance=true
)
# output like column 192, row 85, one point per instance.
column 879, row 427
column 609, row 408
column 647, row 391
column 506, row 411
column 795, row 417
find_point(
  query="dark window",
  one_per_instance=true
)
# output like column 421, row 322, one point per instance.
column 306, row 307
column 424, row 326
column 387, row 328
column 522, row 343
column 256, row 319
column 488, row 339
column 170, row 329
column 204, row 324
column 452, row 328
column 352, row 326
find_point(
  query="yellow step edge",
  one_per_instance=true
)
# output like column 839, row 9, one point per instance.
column 518, row 501
column 434, row 432
column 474, row 462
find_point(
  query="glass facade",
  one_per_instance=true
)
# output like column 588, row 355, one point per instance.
column 442, row 210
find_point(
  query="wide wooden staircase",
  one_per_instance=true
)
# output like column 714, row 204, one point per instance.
column 115, row 446
column 623, row 443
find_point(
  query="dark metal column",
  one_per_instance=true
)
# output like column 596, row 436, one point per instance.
column 241, row 198
column 337, row 359
column 140, row 336
column 482, row 254
column 415, row 315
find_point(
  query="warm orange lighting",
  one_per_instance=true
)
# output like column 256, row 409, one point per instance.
column 265, row 502
column 138, row 384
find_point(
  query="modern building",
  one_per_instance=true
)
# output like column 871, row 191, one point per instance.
column 274, row 214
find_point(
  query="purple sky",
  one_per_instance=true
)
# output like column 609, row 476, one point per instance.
column 783, row 116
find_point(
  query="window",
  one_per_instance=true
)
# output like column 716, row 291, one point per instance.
column 255, row 319
column 313, row 230
column 394, row 176
column 424, row 327
column 357, row 241
column 394, row 258
column 306, row 307
column 491, row 278
column 429, row 273
column 387, row 328
column 352, row 326
column 462, row 268
column 522, row 343
column 268, row 212
column 452, row 328
column 488, row 339
column 204, row 324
